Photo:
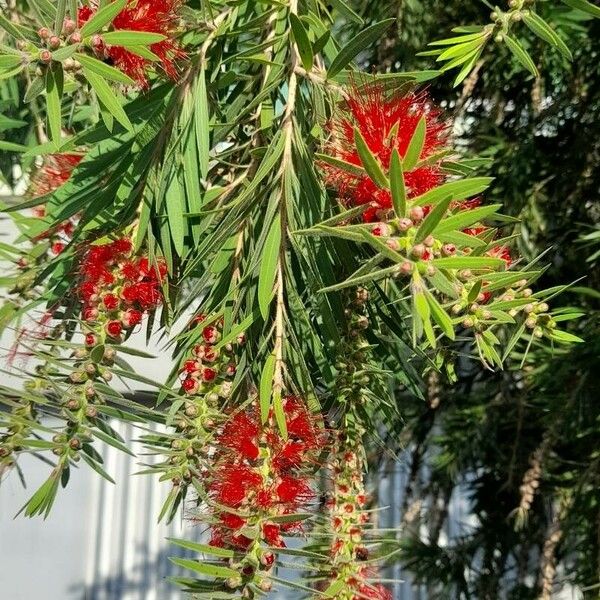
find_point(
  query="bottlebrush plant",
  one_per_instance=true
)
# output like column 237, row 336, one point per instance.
column 305, row 239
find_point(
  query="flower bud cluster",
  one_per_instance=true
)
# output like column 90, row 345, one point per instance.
column 347, row 522
column 206, row 383
column 352, row 365
column 55, row 171
column 259, row 480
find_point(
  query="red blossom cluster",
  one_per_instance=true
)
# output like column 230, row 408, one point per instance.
column 117, row 287
column 209, row 369
column 386, row 121
column 55, row 171
column 151, row 16
column 261, row 476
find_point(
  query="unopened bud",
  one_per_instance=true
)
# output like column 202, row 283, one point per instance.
column 404, row 224
column 448, row 249
column 417, row 213
column 468, row 323
column 418, row 250
column 44, row 33
column 393, row 244
column 45, row 56
column 429, row 241
column 75, row 38
column 69, row 26
column 54, row 42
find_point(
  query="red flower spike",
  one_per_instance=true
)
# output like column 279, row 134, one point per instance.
column 152, row 16
column 386, row 121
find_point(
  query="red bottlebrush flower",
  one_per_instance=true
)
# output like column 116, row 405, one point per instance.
column 375, row 592
column 114, row 328
column 190, row 385
column 232, row 521
column 240, row 434
column 211, row 355
column 501, row 252
column 151, row 16
column 293, row 490
column 272, row 534
column 111, row 302
column 130, row 271
column 234, row 483
column 144, row 293
column 91, row 339
column 55, row 171
column 88, row 290
column 385, row 121
column 131, row 318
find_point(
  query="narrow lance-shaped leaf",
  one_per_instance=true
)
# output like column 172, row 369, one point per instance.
column 104, row 16
column 370, row 162
column 397, row 184
column 521, row 54
column 268, row 267
column 432, row 220
column 415, row 147
column 266, row 387
column 356, row 45
column 108, row 97
column 302, row 42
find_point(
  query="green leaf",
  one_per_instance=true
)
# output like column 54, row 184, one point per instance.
column 175, row 208
column 59, row 13
column 415, row 147
column 109, row 98
column 440, row 316
column 65, row 52
column 370, row 163
column 103, row 70
column 12, row 147
column 468, row 262
column 280, row 415
column 564, row 337
column 397, row 184
column 584, row 6
column 343, row 7
column 202, row 124
column 521, row 55
column 432, row 220
column 17, row 31
column 132, row 38
column 104, row 16
column 461, row 49
column 459, row 190
column 8, row 61
column 203, row 548
column 53, row 105
column 204, row 568
column 465, row 218
column 340, row 164
column 266, row 387
column 356, row 45
column 545, row 32
column 268, row 267
column 36, row 87
column 302, row 42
